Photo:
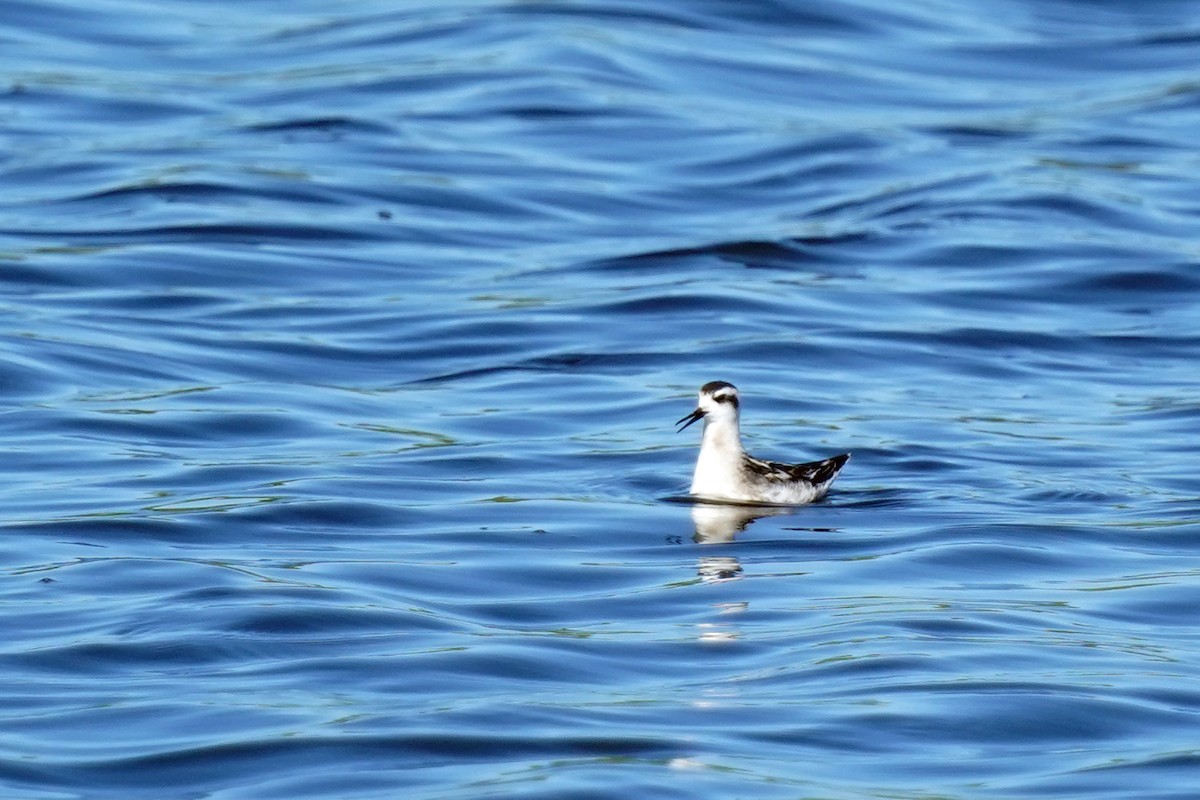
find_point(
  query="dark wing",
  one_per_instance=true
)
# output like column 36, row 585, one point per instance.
column 814, row 472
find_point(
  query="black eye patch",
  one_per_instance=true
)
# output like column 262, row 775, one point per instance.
column 726, row 398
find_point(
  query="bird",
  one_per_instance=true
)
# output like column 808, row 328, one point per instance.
column 725, row 472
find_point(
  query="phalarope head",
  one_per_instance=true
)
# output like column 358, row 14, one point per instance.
column 718, row 402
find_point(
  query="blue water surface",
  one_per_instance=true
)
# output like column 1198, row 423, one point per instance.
column 342, row 343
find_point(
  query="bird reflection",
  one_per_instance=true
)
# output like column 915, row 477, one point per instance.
column 715, row 569
column 717, row 522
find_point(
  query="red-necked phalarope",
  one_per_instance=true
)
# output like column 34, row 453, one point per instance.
column 724, row 471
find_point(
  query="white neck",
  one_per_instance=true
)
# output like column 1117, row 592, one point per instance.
column 719, row 465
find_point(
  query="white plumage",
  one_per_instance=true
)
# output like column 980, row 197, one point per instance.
column 725, row 472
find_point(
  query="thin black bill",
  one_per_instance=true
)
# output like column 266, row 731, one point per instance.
column 690, row 418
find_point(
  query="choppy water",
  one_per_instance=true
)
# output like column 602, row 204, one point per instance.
column 341, row 347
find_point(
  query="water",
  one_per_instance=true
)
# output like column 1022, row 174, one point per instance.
column 341, row 348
